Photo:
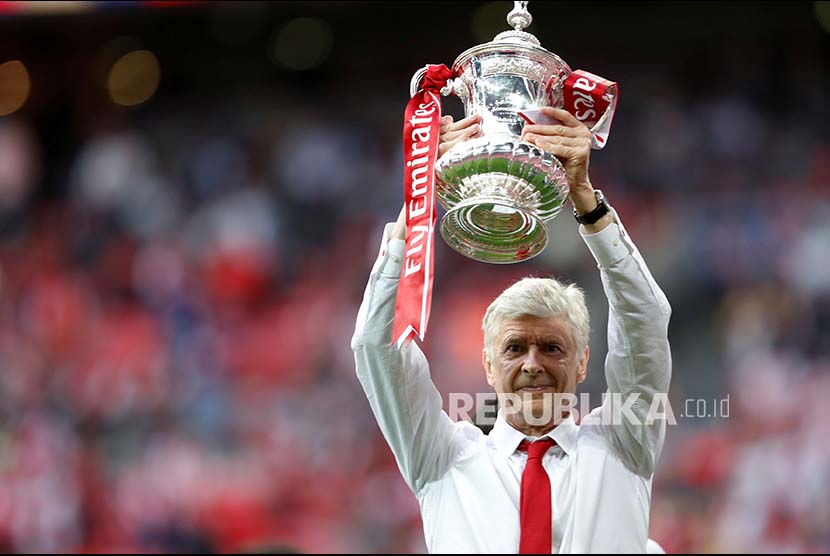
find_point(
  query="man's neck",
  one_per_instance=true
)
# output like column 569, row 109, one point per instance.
column 517, row 422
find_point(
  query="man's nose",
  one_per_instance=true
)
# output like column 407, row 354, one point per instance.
column 533, row 362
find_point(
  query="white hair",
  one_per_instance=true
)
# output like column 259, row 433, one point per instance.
column 538, row 297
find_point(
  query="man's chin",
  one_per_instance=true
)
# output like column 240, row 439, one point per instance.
column 542, row 403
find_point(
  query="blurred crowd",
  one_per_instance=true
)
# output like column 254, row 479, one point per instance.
column 176, row 310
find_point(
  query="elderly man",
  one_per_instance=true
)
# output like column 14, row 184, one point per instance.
column 532, row 485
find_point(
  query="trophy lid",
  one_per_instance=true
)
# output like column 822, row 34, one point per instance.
column 516, row 40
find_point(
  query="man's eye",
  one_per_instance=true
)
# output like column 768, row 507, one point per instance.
column 513, row 348
column 553, row 348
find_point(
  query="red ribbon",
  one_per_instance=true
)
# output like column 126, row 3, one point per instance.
column 421, row 131
column 589, row 97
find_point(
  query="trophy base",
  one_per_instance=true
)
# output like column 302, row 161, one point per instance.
column 490, row 230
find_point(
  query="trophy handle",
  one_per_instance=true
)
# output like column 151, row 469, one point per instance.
column 415, row 83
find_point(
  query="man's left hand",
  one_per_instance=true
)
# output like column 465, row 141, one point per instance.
column 570, row 142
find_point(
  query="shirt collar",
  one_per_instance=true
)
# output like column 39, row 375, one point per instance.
column 507, row 439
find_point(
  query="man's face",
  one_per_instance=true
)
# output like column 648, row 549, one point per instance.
column 535, row 356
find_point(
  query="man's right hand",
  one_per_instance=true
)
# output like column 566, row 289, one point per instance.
column 399, row 231
column 453, row 133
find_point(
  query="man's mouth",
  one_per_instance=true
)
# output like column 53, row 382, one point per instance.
column 535, row 388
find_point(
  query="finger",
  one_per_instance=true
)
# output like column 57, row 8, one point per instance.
column 447, row 145
column 565, row 152
column 556, row 130
column 581, row 133
column 444, row 146
column 562, row 115
column 574, row 142
column 461, row 124
column 451, row 135
column 469, row 131
column 464, row 123
column 456, row 136
column 474, row 131
column 446, row 120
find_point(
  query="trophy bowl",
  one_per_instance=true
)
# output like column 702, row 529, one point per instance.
column 497, row 190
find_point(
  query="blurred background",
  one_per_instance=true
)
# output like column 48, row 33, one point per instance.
column 191, row 198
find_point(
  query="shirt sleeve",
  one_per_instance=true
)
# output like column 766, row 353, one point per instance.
column 638, row 364
column 397, row 382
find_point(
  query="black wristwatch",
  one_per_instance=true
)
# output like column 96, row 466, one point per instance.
column 601, row 210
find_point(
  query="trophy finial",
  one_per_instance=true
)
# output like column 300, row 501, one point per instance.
column 519, row 17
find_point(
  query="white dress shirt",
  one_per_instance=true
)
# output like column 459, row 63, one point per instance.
column 468, row 483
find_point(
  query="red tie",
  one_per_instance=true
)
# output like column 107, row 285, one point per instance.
column 535, row 505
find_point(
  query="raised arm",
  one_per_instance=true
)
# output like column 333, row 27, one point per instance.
column 397, row 382
column 639, row 361
column 638, row 364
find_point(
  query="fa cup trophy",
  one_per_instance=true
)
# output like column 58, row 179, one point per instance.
column 499, row 191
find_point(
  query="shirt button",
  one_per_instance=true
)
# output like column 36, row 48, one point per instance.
column 616, row 242
column 395, row 259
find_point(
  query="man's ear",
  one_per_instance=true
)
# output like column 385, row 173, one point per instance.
column 582, row 371
column 488, row 368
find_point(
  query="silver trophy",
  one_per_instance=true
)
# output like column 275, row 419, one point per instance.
column 499, row 191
